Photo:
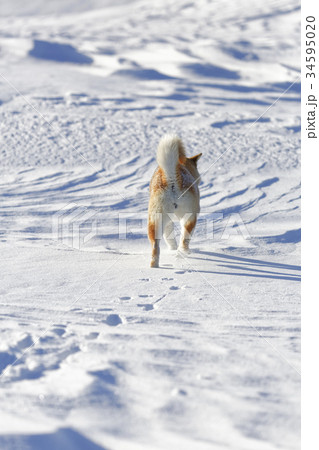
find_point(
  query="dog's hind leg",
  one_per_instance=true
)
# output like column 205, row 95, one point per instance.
column 169, row 235
column 154, row 235
column 188, row 226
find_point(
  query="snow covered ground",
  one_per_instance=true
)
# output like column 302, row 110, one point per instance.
column 97, row 350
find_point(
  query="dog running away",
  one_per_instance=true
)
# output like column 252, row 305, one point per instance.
column 174, row 194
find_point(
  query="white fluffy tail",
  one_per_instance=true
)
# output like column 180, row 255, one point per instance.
column 170, row 152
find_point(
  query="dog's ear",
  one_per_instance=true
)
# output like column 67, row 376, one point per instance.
column 195, row 158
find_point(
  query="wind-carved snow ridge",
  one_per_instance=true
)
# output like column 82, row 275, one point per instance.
column 98, row 351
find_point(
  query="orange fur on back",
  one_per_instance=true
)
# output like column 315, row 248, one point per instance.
column 181, row 153
column 158, row 181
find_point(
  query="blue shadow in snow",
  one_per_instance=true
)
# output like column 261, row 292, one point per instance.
column 240, row 207
column 63, row 438
column 295, row 129
column 6, row 359
column 105, row 375
column 242, row 55
column 211, row 71
column 248, row 267
column 250, row 101
column 235, row 87
column 54, row 51
column 143, row 74
column 240, row 121
column 268, row 182
column 283, row 85
column 289, row 237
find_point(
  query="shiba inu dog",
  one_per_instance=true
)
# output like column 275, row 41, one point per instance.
column 174, row 194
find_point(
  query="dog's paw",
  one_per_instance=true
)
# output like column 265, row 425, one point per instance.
column 183, row 251
column 171, row 244
column 154, row 263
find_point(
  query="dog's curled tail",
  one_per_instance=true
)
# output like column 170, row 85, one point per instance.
column 170, row 152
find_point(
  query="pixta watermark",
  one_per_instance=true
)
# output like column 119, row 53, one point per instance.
column 75, row 225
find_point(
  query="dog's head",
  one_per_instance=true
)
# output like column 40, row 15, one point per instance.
column 191, row 165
